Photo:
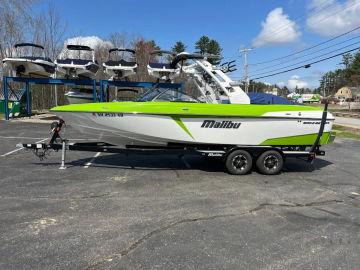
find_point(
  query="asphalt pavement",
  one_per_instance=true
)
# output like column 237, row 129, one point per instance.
column 347, row 121
column 112, row 211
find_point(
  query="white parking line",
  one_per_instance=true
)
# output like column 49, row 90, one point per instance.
column 11, row 137
column 35, row 138
column 18, row 149
column 87, row 165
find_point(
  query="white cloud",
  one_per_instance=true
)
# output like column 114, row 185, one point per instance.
column 276, row 30
column 280, row 84
column 330, row 17
column 296, row 81
column 93, row 42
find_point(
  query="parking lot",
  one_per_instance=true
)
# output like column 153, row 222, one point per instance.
column 111, row 211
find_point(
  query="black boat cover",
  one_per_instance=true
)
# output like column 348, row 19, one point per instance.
column 28, row 45
column 79, row 48
column 122, row 62
column 75, row 61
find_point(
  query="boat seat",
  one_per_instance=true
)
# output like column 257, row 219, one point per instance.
column 161, row 65
column 75, row 61
column 122, row 62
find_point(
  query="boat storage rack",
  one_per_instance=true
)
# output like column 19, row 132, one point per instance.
column 8, row 93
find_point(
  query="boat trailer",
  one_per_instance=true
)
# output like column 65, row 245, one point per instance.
column 238, row 159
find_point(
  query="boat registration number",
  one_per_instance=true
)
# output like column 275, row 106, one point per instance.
column 108, row 114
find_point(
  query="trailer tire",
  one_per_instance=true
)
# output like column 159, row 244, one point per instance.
column 270, row 162
column 238, row 162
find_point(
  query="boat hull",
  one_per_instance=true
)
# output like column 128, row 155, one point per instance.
column 119, row 72
column 271, row 129
column 76, row 71
column 77, row 97
column 28, row 68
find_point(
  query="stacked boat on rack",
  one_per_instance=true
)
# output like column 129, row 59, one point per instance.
column 29, row 61
column 75, row 62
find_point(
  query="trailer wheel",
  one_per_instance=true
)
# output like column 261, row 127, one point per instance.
column 238, row 162
column 270, row 162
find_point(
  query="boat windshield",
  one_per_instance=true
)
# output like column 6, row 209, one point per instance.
column 166, row 95
column 30, row 51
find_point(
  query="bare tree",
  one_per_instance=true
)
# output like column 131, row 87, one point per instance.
column 49, row 31
column 101, row 56
column 15, row 23
column 143, row 50
column 119, row 40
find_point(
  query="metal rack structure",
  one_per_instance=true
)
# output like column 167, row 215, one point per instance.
column 17, row 94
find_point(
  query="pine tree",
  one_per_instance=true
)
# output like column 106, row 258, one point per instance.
column 211, row 47
column 179, row 47
column 202, row 45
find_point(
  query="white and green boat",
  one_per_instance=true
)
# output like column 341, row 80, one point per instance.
column 162, row 120
column 164, row 123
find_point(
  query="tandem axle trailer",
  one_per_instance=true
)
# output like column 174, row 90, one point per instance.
column 238, row 159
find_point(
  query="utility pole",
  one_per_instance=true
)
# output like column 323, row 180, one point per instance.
column 245, row 51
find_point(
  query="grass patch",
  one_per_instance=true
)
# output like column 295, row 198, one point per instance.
column 347, row 132
column 2, row 116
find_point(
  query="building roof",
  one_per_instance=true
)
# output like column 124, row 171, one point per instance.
column 355, row 91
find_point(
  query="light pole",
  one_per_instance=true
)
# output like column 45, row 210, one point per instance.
column 245, row 51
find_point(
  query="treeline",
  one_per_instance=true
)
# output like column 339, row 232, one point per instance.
column 348, row 75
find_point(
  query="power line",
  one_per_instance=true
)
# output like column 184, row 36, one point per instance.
column 320, row 50
column 316, row 45
column 311, row 47
column 307, row 65
column 257, row 74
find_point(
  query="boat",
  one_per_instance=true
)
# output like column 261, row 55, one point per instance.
column 120, row 68
column 82, row 67
column 79, row 95
column 30, row 61
column 161, row 123
column 162, row 65
column 160, row 118
column 235, row 130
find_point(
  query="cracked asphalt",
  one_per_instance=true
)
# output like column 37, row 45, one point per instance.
column 144, row 212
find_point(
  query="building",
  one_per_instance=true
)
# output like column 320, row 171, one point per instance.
column 348, row 93
column 273, row 91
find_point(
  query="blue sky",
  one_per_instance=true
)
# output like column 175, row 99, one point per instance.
column 232, row 23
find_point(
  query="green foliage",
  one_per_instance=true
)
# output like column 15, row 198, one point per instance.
column 179, row 47
column 354, row 66
column 202, row 45
column 347, row 60
column 331, row 81
column 152, row 43
column 210, row 47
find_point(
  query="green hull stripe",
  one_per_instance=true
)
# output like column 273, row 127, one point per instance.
column 181, row 124
column 307, row 139
column 183, row 108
